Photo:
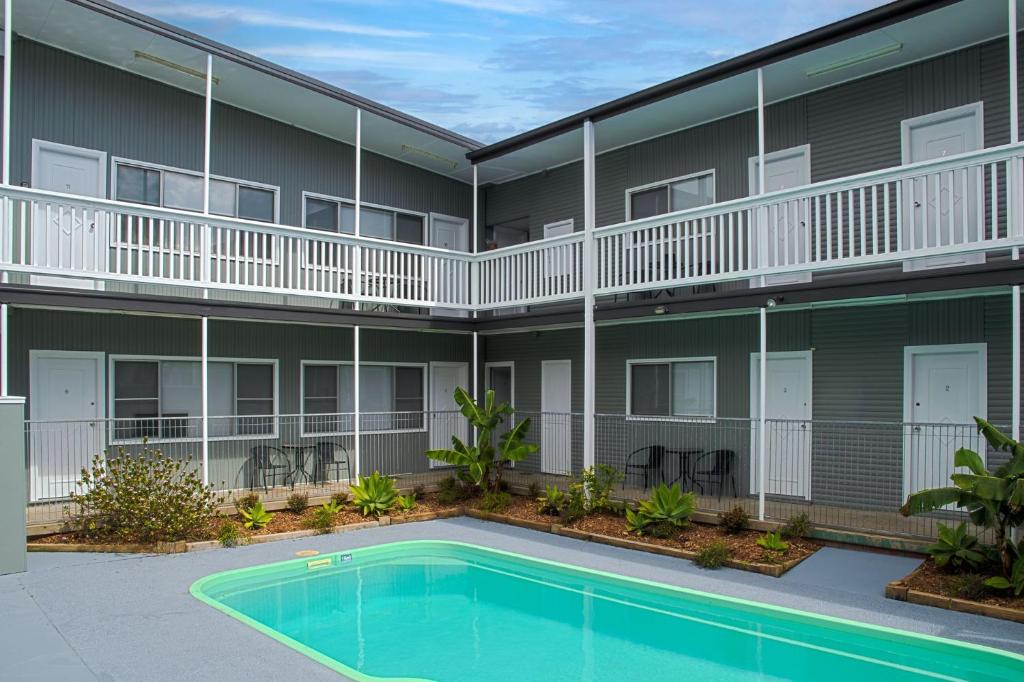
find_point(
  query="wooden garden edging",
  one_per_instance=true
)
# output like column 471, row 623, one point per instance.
column 900, row 591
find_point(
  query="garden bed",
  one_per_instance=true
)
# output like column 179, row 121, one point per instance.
column 930, row 585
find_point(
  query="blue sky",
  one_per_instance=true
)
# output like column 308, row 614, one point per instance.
column 492, row 68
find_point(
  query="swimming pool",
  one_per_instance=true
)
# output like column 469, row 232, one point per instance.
column 453, row 612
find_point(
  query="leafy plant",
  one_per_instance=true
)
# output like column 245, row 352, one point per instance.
column 576, row 504
column 407, row 502
column 143, row 498
column 247, row 501
column 712, row 556
column 256, row 517
column 1015, row 581
column 483, row 462
column 533, row 490
column 340, row 498
column 452, row 491
column 734, row 521
column 773, row 545
column 228, row 534
column 419, row 490
column 598, row 483
column 956, row 547
column 667, row 509
column 552, row 501
column 374, row 494
column 992, row 499
column 968, row 586
column 495, row 502
column 297, row 502
column 798, row 526
column 323, row 517
column 635, row 521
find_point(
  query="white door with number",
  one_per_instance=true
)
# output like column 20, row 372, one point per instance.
column 66, row 397
column 944, row 390
column 451, row 233
column 788, row 434
column 445, row 419
column 64, row 238
column 783, row 224
column 556, row 417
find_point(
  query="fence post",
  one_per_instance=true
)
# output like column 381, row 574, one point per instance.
column 762, row 411
column 13, row 485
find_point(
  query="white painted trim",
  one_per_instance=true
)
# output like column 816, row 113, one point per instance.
column 754, row 168
column 698, row 418
column 101, row 156
column 976, row 109
column 665, row 183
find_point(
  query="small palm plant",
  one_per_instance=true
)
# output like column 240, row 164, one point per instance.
column 374, row 494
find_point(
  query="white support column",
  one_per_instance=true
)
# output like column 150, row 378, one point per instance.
column 8, row 45
column 1014, row 362
column 589, row 351
column 5, row 368
column 357, row 269
column 356, row 471
column 205, row 397
column 474, row 267
column 476, row 367
column 762, row 213
column 762, row 411
column 207, row 118
column 1012, row 199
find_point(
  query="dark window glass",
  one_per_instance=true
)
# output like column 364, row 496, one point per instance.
column 138, row 185
column 408, row 228
column 649, row 390
column 255, row 399
column 136, row 380
column 321, row 215
column 320, row 389
column 255, row 204
column 136, row 401
column 649, row 202
column 409, row 397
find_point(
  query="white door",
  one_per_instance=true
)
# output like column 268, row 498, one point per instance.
column 788, row 436
column 66, row 390
column 944, row 390
column 942, row 209
column 68, row 239
column 783, row 224
column 445, row 418
column 451, row 233
column 556, row 417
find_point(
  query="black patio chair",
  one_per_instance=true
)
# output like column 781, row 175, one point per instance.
column 266, row 461
column 715, row 467
column 652, row 464
column 328, row 455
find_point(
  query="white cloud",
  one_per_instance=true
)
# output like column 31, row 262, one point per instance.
column 411, row 59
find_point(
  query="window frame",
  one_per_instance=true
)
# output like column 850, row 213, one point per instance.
column 424, row 217
column 111, row 379
column 667, row 183
column 342, row 363
column 713, row 359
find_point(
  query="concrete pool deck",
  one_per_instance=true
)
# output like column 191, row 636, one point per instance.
column 131, row 617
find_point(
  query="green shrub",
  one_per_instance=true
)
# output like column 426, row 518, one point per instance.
column 956, row 547
column 968, row 586
column 552, row 502
column 773, row 545
column 1016, row 580
column 374, row 494
column 419, row 490
column 407, row 502
column 340, row 498
column 297, row 502
column 228, row 534
column 635, row 521
column 712, row 556
column 495, row 501
column 322, row 519
column 257, row 517
column 533, row 490
column 734, row 521
column 576, row 504
column 452, row 491
column 598, row 483
column 798, row 526
column 142, row 498
column 667, row 510
column 247, row 501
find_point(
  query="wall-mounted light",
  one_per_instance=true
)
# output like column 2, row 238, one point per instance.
column 430, row 155
column 177, row 67
column 772, row 302
column 854, row 60
column 660, row 310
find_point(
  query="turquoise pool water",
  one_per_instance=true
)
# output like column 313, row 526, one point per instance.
column 453, row 612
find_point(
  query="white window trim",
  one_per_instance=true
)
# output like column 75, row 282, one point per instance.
column 339, row 363
column 977, row 109
column 659, row 183
column 111, row 379
column 713, row 359
column 363, row 204
column 115, row 160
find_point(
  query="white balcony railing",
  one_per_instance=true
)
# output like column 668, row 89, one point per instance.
column 947, row 208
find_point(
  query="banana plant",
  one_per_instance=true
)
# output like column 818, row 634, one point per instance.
column 1014, row 581
column 483, row 462
column 992, row 499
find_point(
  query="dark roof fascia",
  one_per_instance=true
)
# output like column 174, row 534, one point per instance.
column 197, row 41
column 864, row 22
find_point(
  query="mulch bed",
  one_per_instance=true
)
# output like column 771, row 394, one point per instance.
column 934, row 580
column 522, row 507
column 696, row 536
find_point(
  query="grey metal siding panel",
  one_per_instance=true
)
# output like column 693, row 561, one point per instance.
column 544, row 197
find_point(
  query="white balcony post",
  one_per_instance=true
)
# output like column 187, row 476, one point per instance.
column 357, row 255
column 5, row 368
column 205, row 397
column 355, row 402
column 8, row 226
column 589, row 361
column 1015, row 362
column 762, row 212
column 474, row 266
column 1012, row 197
column 762, row 435
column 206, row 252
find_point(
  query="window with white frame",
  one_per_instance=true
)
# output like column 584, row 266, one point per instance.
column 682, row 387
column 332, row 214
column 666, row 196
column 391, row 397
column 142, row 183
column 162, row 398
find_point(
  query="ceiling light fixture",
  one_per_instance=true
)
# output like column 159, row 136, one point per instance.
column 171, row 65
column 856, row 59
column 430, row 155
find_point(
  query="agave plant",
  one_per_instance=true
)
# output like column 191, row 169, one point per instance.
column 773, row 542
column 669, row 505
column 483, row 462
column 552, row 501
column 956, row 547
column 992, row 499
column 256, row 517
column 374, row 494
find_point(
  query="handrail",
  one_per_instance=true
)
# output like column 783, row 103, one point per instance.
column 536, row 245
